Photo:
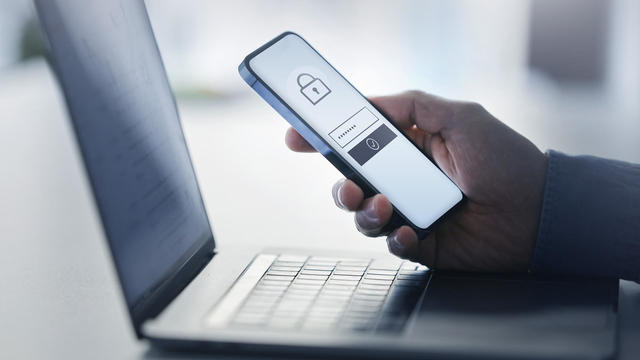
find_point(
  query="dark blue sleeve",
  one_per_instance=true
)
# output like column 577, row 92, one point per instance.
column 590, row 219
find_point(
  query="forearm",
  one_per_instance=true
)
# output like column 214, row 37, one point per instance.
column 590, row 219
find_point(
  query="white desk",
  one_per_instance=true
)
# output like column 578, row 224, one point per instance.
column 59, row 296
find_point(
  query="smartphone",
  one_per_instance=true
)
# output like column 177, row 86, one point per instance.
column 341, row 124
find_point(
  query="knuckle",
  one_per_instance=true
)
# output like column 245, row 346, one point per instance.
column 472, row 108
column 415, row 93
column 470, row 111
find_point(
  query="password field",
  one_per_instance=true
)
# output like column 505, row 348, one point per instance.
column 353, row 126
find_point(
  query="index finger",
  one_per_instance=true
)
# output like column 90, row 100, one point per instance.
column 429, row 113
column 296, row 142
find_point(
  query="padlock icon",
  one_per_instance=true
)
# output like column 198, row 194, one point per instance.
column 312, row 88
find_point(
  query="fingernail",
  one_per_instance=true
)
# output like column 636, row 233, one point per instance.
column 337, row 194
column 367, row 218
column 394, row 245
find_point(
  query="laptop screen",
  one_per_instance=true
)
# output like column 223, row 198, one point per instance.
column 129, row 133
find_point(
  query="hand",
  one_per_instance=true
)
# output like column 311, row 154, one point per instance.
column 501, row 173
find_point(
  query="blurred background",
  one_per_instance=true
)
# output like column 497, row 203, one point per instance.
column 566, row 74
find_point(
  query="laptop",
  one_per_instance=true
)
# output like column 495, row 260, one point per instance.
column 183, row 294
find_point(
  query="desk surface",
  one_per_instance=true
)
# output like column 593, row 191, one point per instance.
column 60, row 298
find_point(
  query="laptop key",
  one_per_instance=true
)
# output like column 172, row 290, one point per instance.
column 358, row 273
column 313, row 277
column 372, row 292
column 278, row 277
column 362, row 264
column 287, row 262
column 315, row 271
column 386, row 283
column 374, row 286
column 382, row 271
column 319, row 267
column 320, row 294
column 300, row 288
column 379, row 277
column 351, row 267
column 366, row 305
column 322, row 260
column 333, row 281
column 340, row 287
column 292, row 258
column 284, row 281
column 272, row 287
column 282, row 272
column 349, row 277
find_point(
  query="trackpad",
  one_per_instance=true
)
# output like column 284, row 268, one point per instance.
column 519, row 316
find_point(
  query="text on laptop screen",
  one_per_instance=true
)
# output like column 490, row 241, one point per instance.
column 130, row 136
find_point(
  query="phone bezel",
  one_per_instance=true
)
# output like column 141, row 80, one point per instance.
column 246, row 63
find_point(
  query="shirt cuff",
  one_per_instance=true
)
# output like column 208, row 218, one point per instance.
column 590, row 218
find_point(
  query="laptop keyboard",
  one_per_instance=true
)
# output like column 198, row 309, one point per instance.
column 329, row 294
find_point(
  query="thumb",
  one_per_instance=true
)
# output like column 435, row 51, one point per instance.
column 428, row 113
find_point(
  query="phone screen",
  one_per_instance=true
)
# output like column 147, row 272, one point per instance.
column 360, row 134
